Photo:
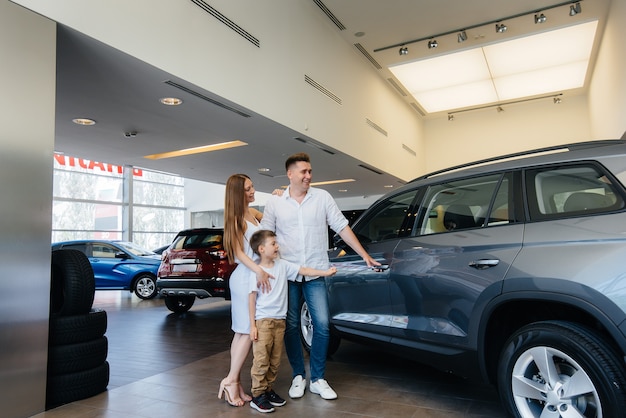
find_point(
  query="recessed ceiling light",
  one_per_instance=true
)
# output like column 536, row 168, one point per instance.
column 342, row 190
column 84, row 121
column 196, row 150
column 171, row 101
column 263, row 170
column 388, row 186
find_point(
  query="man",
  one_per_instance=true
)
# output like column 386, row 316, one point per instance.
column 300, row 218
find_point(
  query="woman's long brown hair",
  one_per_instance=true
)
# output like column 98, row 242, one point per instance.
column 235, row 207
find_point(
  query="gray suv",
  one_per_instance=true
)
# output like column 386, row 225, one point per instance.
column 511, row 270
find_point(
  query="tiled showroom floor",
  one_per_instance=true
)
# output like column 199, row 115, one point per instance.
column 168, row 365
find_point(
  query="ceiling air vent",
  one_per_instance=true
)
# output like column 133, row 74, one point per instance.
column 373, row 170
column 208, row 99
column 322, row 89
column 409, row 150
column 375, row 126
column 330, row 14
column 417, row 108
column 368, row 56
column 226, row 21
column 314, row 145
column 396, row 86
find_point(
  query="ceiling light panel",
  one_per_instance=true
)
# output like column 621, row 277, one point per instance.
column 551, row 61
column 454, row 97
column 545, row 80
column 544, row 50
column 444, row 71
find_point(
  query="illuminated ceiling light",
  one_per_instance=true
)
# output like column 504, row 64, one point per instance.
column 263, row 170
column 171, row 101
column 432, row 44
column 522, row 67
column 323, row 183
column 84, row 121
column 461, row 37
column 540, row 18
column 501, row 27
column 342, row 190
column 574, row 9
column 388, row 186
column 196, row 150
column 403, row 51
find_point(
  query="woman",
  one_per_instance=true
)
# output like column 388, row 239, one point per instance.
column 240, row 222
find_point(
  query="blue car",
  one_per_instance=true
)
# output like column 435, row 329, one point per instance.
column 119, row 265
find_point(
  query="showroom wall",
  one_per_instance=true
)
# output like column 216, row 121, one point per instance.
column 607, row 93
column 27, row 47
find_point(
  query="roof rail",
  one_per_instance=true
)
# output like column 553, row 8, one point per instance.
column 569, row 147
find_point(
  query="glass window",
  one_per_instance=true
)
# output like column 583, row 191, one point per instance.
column 570, row 190
column 464, row 204
column 385, row 221
column 103, row 251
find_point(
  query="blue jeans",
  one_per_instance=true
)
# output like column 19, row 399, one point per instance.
column 314, row 293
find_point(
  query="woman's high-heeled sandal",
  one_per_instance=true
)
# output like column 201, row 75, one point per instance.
column 229, row 391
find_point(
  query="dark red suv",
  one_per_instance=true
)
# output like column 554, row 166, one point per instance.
column 194, row 265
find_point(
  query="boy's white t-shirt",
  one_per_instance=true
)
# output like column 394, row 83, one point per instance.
column 273, row 304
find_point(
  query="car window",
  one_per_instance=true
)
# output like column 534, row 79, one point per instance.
column 80, row 247
column 103, row 250
column 464, row 204
column 386, row 219
column 200, row 240
column 570, row 191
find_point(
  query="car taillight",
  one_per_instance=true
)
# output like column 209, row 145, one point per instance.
column 221, row 254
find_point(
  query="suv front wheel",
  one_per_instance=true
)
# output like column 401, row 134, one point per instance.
column 306, row 331
column 559, row 368
column 179, row 304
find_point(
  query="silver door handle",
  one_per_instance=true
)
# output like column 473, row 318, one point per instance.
column 483, row 264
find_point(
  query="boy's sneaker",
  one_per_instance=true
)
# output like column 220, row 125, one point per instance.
column 297, row 387
column 274, row 399
column 322, row 388
column 261, row 403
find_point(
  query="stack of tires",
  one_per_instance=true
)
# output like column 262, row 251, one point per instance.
column 77, row 347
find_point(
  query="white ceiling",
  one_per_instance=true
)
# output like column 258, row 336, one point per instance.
column 121, row 93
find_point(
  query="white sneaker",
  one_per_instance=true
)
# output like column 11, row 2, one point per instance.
column 322, row 388
column 298, row 384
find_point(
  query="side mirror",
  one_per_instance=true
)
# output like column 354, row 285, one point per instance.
column 121, row 255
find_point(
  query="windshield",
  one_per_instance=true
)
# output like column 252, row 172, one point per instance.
column 135, row 249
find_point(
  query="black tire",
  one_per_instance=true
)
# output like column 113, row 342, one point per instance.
column 77, row 328
column 561, row 350
column 72, row 387
column 72, row 283
column 306, row 332
column 179, row 304
column 72, row 358
column 144, row 286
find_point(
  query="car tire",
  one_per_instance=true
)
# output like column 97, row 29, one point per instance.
column 72, row 387
column 306, row 332
column 179, row 304
column 72, row 358
column 569, row 353
column 72, row 283
column 145, row 286
column 75, row 329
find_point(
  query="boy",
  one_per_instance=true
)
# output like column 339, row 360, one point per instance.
column 267, row 318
